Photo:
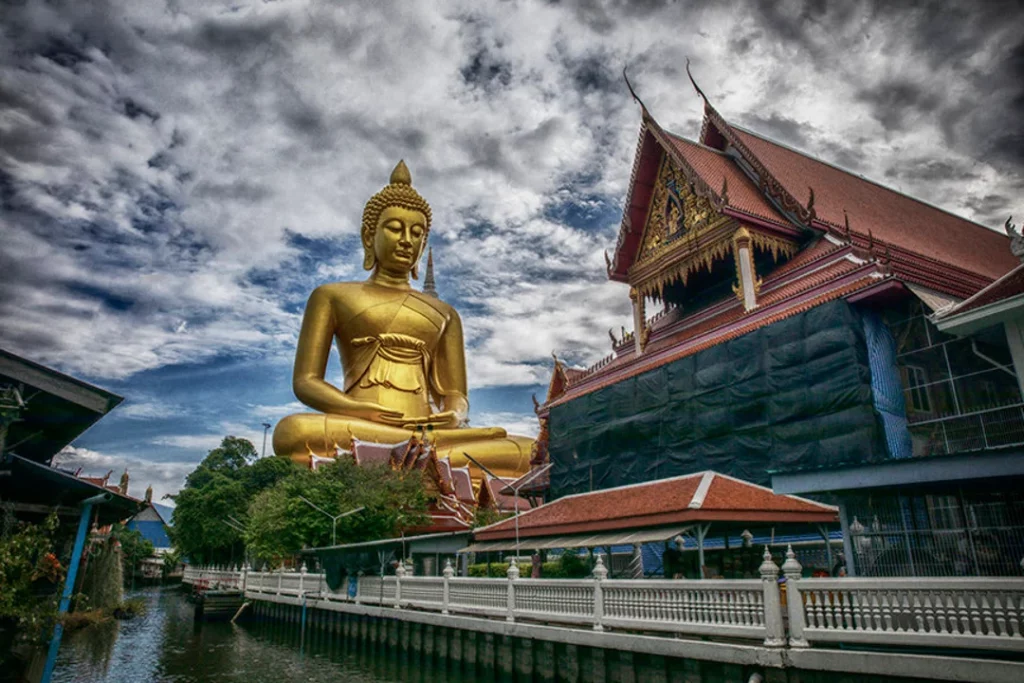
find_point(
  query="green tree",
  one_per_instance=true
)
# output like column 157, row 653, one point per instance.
column 134, row 548
column 203, row 529
column 212, row 505
column 281, row 523
column 228, row 459
column 172, row 558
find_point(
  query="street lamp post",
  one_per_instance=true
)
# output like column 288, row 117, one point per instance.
column 266, row 428
column 334, row 518
column 515, row 489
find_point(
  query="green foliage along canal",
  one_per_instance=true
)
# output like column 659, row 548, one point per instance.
column 166, row 646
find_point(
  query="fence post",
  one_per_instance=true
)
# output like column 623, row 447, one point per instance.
column 399, row 575
column 245, row 576
column 359, row 580
column 302, row 578
column 791, row 569
column 513, row 574
column 774, row 634
column 600, row 574
column 447, row 573
column 280, row 578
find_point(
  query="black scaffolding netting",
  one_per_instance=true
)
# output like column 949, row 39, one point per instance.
column 789, row 396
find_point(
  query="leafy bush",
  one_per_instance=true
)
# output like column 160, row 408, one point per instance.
column 30, row 574
column 129, row 609
column 556, row 569
column 573, row 565
column 498, row 570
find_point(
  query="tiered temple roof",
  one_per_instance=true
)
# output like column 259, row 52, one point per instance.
column 816, row 233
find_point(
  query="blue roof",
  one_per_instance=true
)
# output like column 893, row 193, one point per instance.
column 154, row 532
column 165, row 512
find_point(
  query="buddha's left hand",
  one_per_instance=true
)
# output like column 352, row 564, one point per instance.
column 447, row 419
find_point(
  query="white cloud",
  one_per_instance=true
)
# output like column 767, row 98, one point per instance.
column 276, row 412
column 147, row 410
column 524, row 424
column 165, row 477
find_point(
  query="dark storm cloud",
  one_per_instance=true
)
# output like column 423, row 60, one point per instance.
column 893, row 101
column 928, row 170
column 486, row 70
column 992, row 206
column 778, row 127
column 1006, row 139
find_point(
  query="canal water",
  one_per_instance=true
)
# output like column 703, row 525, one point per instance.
column 166, row 646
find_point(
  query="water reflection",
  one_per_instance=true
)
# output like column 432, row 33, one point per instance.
column 165, row 645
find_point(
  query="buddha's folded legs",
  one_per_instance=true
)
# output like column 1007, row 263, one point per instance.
column 508, row 456
column 301, row 434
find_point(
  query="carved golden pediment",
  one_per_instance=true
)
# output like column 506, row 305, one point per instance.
column 684, row 233
column 677, row 214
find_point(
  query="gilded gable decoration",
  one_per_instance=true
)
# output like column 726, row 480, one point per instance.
column 686, row 232
column 676, row 214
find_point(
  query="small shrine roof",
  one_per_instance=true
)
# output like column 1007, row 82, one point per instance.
column 704, row 496
column 1009, row 285
column 491, row 493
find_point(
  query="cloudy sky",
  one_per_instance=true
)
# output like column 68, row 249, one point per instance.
column 176, row 177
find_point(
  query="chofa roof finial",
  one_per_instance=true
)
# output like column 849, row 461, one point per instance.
column 695, row 86
column 1016, row 238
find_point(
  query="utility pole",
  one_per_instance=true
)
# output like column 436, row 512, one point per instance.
column 508, row 487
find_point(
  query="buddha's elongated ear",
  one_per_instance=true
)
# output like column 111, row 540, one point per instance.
column 369, row 258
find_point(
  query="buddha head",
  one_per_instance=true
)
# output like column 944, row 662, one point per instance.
column 396, row 222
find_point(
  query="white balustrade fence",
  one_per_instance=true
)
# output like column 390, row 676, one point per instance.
column 975, row 613
column 968, row 613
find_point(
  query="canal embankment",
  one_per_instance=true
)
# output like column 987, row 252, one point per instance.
column 600, row 629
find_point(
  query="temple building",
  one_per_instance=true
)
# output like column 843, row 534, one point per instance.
column 812, row 331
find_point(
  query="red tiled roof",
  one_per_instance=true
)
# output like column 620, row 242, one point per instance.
column 819, row 277
column 693, row 497
column 463, row 485
column 369, row 453
column 890, row 216
column 714, row 167
column 491, row 494
column 1009, row 285
column 804, row 257
column 729, row 325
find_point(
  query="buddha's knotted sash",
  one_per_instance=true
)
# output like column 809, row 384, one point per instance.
column 399, row 361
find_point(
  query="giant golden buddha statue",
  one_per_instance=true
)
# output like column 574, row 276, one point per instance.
column 402, row 354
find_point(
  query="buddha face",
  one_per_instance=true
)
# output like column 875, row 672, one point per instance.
column 399, row 238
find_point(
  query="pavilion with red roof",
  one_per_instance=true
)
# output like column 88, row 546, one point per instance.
column 655, row 511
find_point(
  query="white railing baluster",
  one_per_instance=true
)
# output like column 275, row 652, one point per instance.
column 794, row 599
column 513, row 575
column 774, row 633
column 600, row 574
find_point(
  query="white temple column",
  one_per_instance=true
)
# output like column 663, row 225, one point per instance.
column 639, row 319
column 745, row 273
